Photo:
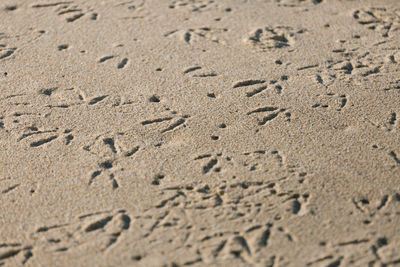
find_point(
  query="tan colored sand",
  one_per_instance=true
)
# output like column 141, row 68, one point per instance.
column 199, row 133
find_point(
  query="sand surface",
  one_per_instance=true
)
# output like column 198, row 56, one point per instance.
column 200, row 133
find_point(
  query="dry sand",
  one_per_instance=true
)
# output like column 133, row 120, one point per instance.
column 199, row 133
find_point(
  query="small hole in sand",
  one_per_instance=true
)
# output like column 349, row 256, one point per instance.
column 62, row 47
column 154, row 99
column 211, row 95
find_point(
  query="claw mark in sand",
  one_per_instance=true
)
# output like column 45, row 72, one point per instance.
column 392, row 120
column 5, row 191
column 308, row 67
column 209, row 165
column 263, row 109
column 394, row 156
column 133, row 151
column 203, row 156
column 51, row 4
column 256, row 91
column 93, row 176
column 97, row 99
column 48, row 91
column 43, row 141
column 204, row 75
column 98, row 224
column 186, row 37
column 174, row 125
column 103, row 59
column 268, row 118
column 75, row 17
column 247, row 83
column 9, row 253
column 122, row 64
column 191, row 69
column 146, row 122
column 7, row 53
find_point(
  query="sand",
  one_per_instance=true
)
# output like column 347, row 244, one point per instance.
column 199, row 133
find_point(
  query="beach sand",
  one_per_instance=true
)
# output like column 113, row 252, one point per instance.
column 199, row 133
